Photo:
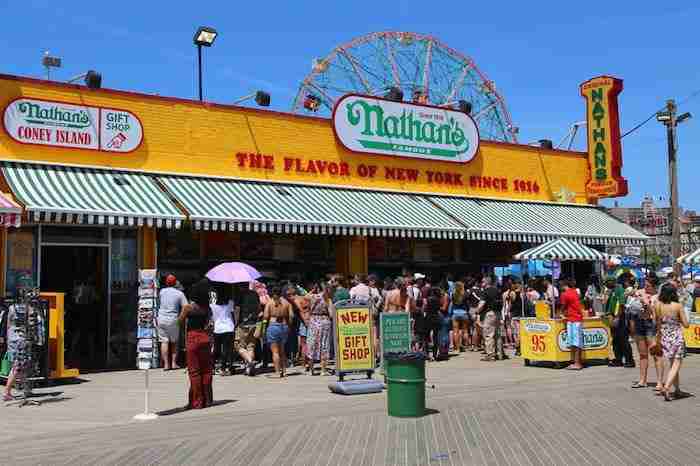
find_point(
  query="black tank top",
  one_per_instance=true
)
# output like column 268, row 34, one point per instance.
column 198, row 317
column 516, row 307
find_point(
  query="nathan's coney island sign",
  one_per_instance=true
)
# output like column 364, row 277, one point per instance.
column 379, row 126
column 60, row 124
column 604, row 146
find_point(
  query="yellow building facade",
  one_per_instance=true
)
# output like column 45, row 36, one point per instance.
column 117, row 181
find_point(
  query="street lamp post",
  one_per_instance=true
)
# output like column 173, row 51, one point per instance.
column 199, row 70
column 204, row 37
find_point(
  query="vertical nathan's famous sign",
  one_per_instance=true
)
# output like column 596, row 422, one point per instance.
column 604, row 147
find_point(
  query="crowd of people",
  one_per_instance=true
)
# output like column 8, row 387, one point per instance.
column 290, row 324
column 654, row 316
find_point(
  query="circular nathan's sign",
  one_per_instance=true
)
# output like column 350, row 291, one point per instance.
column 380, row 126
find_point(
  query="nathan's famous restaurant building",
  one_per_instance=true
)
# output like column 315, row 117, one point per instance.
column 99, row 183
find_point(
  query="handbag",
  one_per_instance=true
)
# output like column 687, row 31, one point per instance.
column 656, row 350
column 5, row 365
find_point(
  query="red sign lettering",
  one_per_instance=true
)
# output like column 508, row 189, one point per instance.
column 538, row 344
column 408, row 175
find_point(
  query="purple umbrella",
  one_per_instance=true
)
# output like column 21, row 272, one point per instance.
column 233, row 272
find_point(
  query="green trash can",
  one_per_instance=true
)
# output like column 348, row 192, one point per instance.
column 405, row 377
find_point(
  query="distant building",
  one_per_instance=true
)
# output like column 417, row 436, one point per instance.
column 655, row 222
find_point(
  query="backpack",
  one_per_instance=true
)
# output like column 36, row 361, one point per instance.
column 473, row 298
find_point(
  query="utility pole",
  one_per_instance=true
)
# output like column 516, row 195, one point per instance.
column 673, row 186
column 669, row 118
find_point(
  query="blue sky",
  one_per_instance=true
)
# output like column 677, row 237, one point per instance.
column 536, row 52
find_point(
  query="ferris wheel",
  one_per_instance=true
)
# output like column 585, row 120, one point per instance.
column 410, row 67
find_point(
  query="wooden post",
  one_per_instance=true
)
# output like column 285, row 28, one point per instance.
column 147, row 247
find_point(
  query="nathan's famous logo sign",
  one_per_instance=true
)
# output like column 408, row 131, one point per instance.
column 604, row 148
column 60, row 124
column 593, row 338
column 369, row 124
column 537, row 327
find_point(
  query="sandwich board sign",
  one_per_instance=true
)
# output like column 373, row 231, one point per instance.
column 396, row 333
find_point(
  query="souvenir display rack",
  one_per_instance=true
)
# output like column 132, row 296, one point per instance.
column 31, row 327
column 147, row 341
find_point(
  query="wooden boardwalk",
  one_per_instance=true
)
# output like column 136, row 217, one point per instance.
column 476, row 417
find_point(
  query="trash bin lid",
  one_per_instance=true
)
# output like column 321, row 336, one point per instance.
column 405, row 356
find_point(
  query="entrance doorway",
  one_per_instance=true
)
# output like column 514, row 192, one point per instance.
column 81, row 273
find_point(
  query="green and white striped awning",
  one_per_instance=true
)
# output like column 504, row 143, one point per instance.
column 58, row 194
column 215, row 204
column 561, row 249
column 690, row 258
column 532, row 222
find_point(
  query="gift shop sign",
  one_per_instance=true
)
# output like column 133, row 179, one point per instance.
column 379, row 126
column 354, row 339
column 60, row 124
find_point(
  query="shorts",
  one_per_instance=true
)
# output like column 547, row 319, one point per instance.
column 277, row 333
column 460, row 314
column 302, row 329
column 515, row 329
column 244, row 338
column 168, row 330
column 574, row 334
column 644, row 328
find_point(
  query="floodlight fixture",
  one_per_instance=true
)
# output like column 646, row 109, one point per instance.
column 205, row 36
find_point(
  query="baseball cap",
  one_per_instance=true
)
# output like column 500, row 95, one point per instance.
column 418, row 276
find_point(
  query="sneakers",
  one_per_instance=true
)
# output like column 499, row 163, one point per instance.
column 250, row 369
